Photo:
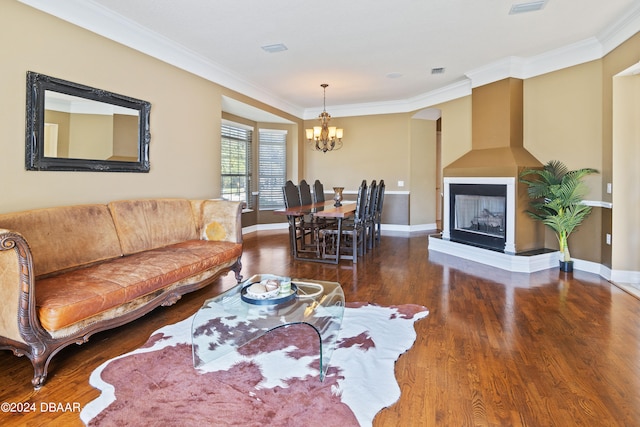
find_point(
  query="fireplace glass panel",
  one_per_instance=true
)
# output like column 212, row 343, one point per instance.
column 480, row 214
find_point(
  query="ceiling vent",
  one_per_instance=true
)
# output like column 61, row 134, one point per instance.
column 273, row 48
column 438, row 70
column 531, row 6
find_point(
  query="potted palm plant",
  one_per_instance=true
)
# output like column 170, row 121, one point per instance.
column 556, row 195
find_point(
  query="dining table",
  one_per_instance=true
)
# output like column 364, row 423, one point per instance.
column 326, row 209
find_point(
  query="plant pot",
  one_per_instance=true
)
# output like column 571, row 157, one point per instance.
column 566, row 266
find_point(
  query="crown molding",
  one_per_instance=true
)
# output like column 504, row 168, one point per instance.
column 102, row 21
column 447, row 93
column 623, row 29
column 523, row 68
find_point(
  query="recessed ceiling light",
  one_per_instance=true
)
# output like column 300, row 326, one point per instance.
column 394, row 75
column 531, row 6
column 437, row 70
column 273, row 48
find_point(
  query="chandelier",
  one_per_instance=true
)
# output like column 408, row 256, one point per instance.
column 324, row 137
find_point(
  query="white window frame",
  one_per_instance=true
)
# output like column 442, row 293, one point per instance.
column 236, row 185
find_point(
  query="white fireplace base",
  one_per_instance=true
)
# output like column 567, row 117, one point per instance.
column 514, row 263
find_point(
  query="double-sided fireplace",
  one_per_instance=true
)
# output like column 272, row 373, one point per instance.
column 480, row 212
column 484, row 208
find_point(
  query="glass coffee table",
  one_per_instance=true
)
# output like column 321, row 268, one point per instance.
column 234, row 318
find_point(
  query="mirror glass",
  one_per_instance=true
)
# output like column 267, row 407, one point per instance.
column 79, row 128
column 74, row 127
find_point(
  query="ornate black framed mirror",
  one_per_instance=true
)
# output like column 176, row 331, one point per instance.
column 72, row 127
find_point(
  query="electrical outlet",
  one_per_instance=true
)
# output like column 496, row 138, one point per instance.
column 608, row 239
column 400, row 183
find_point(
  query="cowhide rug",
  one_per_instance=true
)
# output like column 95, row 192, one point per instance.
column 272, row 381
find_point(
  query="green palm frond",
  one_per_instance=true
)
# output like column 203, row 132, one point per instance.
column 556, row 195
column 568, row 220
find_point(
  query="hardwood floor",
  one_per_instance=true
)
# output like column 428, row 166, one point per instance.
column 497, row 349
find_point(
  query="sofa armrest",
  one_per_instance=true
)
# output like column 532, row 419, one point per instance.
column 16, row 287
column 218, row 220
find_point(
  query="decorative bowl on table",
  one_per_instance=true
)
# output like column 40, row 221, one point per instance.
column 268, row 290
column 265, row 289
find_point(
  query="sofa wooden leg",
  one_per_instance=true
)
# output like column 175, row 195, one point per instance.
column 40, row 367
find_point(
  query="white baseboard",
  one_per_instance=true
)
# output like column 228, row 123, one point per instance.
column 265, row 227
column 514, row 263
column 384, row 227
column 625, row 276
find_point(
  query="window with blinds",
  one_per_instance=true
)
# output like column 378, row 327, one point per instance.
column 272, row 168
column 236, row 164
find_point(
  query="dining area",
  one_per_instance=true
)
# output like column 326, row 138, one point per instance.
column 330, row 230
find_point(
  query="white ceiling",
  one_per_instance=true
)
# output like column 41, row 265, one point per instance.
column 375, row 55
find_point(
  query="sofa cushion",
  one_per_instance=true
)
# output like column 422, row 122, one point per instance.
column 76, row 295
column 65, row 237
column 151, row 224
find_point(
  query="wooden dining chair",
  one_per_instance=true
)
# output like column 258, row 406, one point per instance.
column 291, row 195
column 352, row 237
column 318, row 197
column 318, row 191
column 312, row 225
column 378, row 214
column 370, row 216
column 300, row 228
column 292, row 200
column 305, row 193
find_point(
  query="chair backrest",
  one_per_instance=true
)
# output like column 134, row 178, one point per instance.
column 318, row 191
column 291, row 196
column 305, row 193
column 371, row 201
column 361, row 202
column 380, row 197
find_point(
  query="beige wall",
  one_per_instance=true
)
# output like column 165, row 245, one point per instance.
column 562, row 119
column 422, row 172
column 375, row 147
column 392, row 147
column 626, row 178
column 456, row 128
column 620, row 153
column 185, row 115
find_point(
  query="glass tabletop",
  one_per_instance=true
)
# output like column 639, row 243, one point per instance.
column 234, row 318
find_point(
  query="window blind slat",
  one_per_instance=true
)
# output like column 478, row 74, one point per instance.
column 272, row 169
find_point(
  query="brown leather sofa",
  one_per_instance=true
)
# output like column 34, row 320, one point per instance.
column 69, row 272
